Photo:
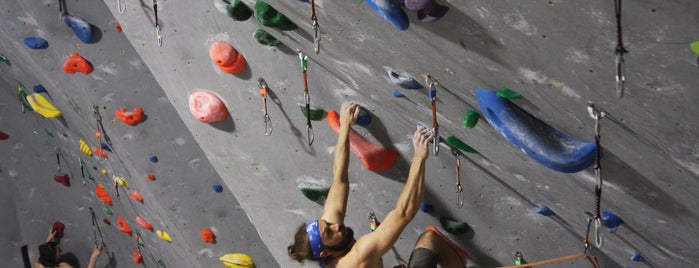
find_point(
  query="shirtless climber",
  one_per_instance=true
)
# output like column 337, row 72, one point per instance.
column 331, row 244
column 49, row 254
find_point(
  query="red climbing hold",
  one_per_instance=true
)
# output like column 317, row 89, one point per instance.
column 150, row 177
column 103, row 195
column 123, row 226
column 135, row 195
column 137, row 257
column 227, row 58
column 65, row 179
column 4, row 136
column 207, row 107
column 373, row 156
column 76, row 63
column 58, row 227
column 118, row 27
column 129, row 118
column 144, row 223
column 207, row 235
column 107, row 222
column 99, row 152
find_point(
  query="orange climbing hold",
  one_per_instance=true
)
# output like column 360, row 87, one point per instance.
column 99, row 152
column 144, row 223
column 137, row 258
column 135, row 195
column 76, row 63
column 123, row 226
column 207, row 107
column 374, row 157
column 207, row 235
column 150, row 177
column 118, row 27
column 103, row 195
column 227, row 58
column 129, row 118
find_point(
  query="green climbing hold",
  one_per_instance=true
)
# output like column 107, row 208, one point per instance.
column 263, row 37
column 108, row 210
column 470, row 119
column 94, row 167
column 695, row 47
column 452, row 226
column 268, row 16
column 48, row 132
column 161, row 262
column 453, row 141
column 317, row 114
column 237, row 10
column 314, row 194
column 4, row 59
column 507, row 93
column 312, row 189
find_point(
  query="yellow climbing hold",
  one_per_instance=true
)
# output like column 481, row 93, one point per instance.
column 164, row 236
column 121, row 182
column 237, row 260
column 84, row 148
column 42, row 106
column 103, row 171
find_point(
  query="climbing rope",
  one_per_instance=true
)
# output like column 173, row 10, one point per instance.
column 432, row 83
column 316, row 27
column 459, row 190
column 157, row 24
column 597, row 216
column 306, row 96
column 263, row 91
column 619, row 52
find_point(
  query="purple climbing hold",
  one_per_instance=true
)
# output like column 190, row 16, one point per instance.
column 544, row 210
column 364, row 118
column 153, row 159
column 39, row 89
column 218, row 188
column 427, row 208
column 36, row 42
column 432, row 12
column 398, row 94
column 638, row 257
column 611, row 221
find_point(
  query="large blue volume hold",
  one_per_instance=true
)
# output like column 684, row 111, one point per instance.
column 391, row 11
column 543, row 143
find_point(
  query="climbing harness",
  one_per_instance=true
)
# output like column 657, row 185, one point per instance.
column 459, row 190
column 121, row 8
column 157, row 24
column 432, row 83
column 619, row 52
column 316, row 27
column 596, row 114
column 306, row 96
column 263, row 91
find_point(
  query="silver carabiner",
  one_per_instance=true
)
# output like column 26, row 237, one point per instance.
column 620, row 74
column 316, row 34
column 599, row 239
column 121, row 8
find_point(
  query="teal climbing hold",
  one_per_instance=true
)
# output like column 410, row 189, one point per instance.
column 316, row 113
column 470, row 119
column 507, row 93
column 455, row 142
column 235, row 9
column 453, row 226
column 695, row 47
column 264, row 38
column 268, row 16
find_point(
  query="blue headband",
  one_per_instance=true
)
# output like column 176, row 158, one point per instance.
column 313, row 231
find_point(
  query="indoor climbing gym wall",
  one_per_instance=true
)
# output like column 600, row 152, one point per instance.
column 202, row 133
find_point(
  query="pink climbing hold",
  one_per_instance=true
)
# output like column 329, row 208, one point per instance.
column 207, row 107
column 76, row 63
column 65, row 179
column 227, row 58
column 374, row 157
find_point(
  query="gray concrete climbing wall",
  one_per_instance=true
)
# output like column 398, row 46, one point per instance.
column 558, row 54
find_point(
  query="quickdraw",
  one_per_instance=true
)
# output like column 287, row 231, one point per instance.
column 459, row 190
column 82, row 169
column 121, row 8
column 316, row 27
column 157, row 23
column 596, row 114
column 619, row 52
column 263, row 91
column 307, row 98
column 432, row 83
column 94, row 229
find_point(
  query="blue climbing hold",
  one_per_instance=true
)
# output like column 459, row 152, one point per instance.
column 364, row 118
column 403, row 80
column 39, row 88
column 611, row 221
column 398, row 94
column 638, row 257
column 80, row 27
column 36, row 42
column 218, row 188
column 105, row 147
column 544, row 210
column 427, row 208
column 391, row 11
column 153, row 159
column 545, row 144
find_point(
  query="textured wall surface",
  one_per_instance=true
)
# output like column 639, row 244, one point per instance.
column 558, row 54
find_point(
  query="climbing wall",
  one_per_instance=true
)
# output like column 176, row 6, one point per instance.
column 556, row 55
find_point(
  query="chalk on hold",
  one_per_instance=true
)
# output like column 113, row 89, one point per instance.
column 164, row 236
column 135, row 195
column 427, row 208
column 235, row 9
column 237, row 260
column 103, row 195
column 227, row 58
column 507, row 93
column 374, row 157
column 144, row 223
column 76, row 63
column 58, row 227
column 470, row 119
column 129, row 118
column 316, row 113
column 137, row 258
column 207, row 107
column 403, row 80
column 544, row 210
column 4, row 136
column 265, row 38
column 123, row 226
column 108, row 210
column 453, row 226
column 150, row 177
column 36, row 42
column 461, row 252
column 398, row 94
column 268, row 16
column 153, row 159
column 455, row 142
column 611, row 221
column 207, row 235
column 80, row 27
column 218, row 188
column 84, row 148
column 62, row 179
column 364, row 118
column 99, row 152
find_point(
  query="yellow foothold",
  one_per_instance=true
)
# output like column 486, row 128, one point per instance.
column 164, row 236
column 84, row 148
column 237, row 260
column 121, row 182
column 100, row 185
column 104, row 172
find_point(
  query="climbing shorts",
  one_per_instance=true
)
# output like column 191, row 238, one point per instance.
column 422, row 258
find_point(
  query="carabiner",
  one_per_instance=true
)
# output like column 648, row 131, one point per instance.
column 159, row 35
column 599, row 238
column 459, row 190
column 316, row 34
column 263, row 91
column 309, row 129
column 620, row 73
column 121, row 8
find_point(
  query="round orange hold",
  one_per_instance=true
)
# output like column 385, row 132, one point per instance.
column 150, row 177
column 207, row 235
column 118, row 27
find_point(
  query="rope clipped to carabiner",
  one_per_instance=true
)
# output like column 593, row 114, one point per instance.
column 459, row 190
column 157, row 23
column 307, row 97
column 596, row 114
column 316, row 27
column 100, row 128
column 94, row 229
column 121, row 8
column 432, row 83
column 619, row 52
column 263, row 91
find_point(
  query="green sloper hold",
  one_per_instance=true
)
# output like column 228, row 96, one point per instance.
column 452, row 226
column 507, row 93
column 108, row 210
column 470, row 119
column 236, row 10
column 453, row 141
column 268, row 16
column 263, row 37
column 317, row 114
column 695, row 47
column 313, row 190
